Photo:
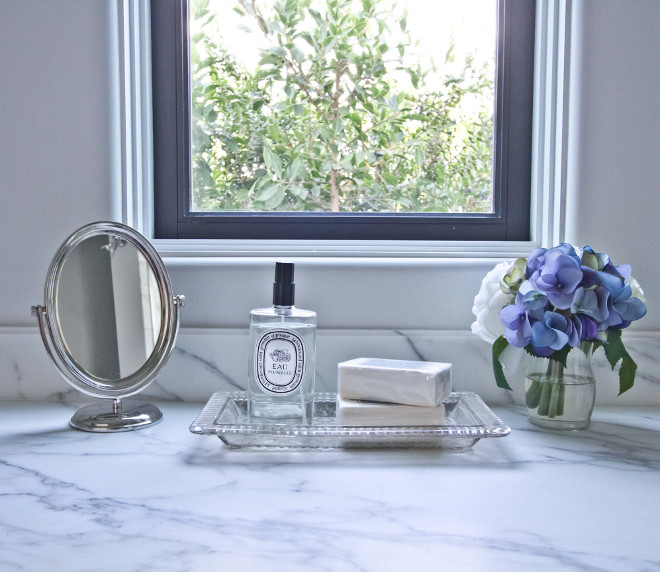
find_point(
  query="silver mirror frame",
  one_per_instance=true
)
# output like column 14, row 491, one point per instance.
column 96, row 417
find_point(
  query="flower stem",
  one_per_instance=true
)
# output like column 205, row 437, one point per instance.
column 544, row 400
column 555, row 379
column 548, row 393
column 562, row 397
column 533, row 394
column 554, row 399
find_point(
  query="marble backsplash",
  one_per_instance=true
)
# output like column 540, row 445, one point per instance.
column 209, row 360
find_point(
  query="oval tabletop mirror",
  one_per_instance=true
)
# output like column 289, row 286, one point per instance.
column 109, row 322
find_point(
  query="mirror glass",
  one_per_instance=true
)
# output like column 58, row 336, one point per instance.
column 107, row 306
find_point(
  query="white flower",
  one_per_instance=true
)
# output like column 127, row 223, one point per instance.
column 637, row 291
column 488, row 303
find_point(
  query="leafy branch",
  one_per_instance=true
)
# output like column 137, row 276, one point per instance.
column 325, row 123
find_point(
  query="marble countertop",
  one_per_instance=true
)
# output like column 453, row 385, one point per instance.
column 164, row 499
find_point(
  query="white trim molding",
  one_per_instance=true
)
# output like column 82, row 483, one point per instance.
column 551, row 114
column 133, row 124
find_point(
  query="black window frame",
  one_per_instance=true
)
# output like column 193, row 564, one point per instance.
column 512, row 161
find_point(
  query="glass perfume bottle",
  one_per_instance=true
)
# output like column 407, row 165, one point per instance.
column 282, row 356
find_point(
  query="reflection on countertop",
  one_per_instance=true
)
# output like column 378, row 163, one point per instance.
column 165, row 499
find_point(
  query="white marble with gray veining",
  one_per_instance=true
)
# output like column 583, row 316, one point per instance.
column 208, row 360
column 165, row 499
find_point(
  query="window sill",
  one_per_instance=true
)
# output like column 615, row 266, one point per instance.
column 340, row 249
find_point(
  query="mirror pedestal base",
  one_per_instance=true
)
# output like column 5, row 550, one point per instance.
column 114, row 416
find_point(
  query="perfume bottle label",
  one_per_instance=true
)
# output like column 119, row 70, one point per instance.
column 280, row 361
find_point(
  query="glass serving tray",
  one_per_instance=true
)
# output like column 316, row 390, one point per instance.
column 468, row 419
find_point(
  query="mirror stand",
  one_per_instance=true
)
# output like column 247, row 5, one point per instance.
column 106, row 417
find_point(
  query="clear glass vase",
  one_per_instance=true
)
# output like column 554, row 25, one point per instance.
column 558, row 397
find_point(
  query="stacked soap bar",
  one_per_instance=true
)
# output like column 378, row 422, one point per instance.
column 372, row 391
column 360, row 413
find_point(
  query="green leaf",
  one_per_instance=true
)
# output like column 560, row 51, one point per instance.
column 276, row 50
column 627, row 373
column 272, row 160
column 272, row 59
column 390, row 179
column 296, row 169
column 242, row 194
column 499, row 346
column 309, row 39
column 267, row 192
column 615, row 351
column 298, row 54
column 317, row 16
column 533, row 395
column 325, row 134
column 591, row 345
column 274, row 133
column 614, row 348
column 561, row 355
column 267, row 73
column 278, row 196
column 291, row 6
column 300, row 192
column 291, row 91
column 348, row 162
column 416, row 117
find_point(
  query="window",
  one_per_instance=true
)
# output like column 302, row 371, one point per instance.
column 175, row 216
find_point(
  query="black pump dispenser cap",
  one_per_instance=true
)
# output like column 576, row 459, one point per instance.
column 284, row 288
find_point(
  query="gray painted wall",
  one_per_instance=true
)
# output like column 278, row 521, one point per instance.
column 56, row 149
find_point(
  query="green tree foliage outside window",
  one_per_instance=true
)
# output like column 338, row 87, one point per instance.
column 336, row 116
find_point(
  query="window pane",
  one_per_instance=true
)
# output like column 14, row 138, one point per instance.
column 354, row 106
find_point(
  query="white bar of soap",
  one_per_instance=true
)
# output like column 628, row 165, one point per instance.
column 369, row 413
column 421, row 383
